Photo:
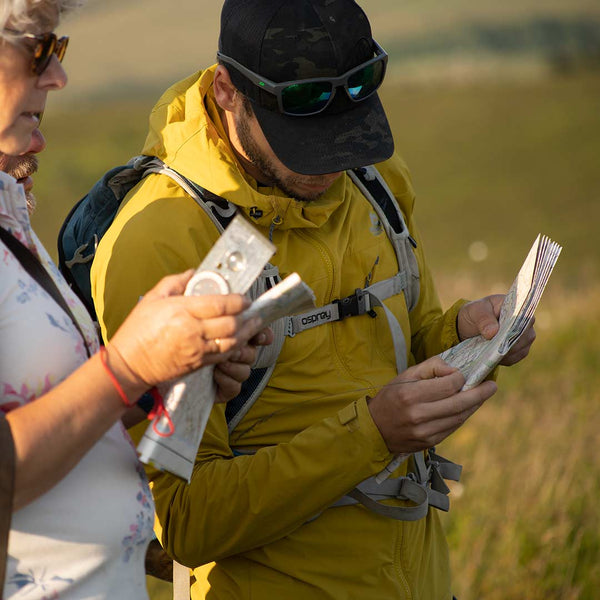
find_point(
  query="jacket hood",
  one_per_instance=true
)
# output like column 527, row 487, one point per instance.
column 185, row 125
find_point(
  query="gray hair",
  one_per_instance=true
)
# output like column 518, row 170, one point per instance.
column 23, row 14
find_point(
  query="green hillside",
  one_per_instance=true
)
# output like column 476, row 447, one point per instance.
column 122, row 49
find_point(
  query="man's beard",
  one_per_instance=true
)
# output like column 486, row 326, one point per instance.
column 260, row 161
column 20, row 167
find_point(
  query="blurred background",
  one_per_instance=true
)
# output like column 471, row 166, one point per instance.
column 495, row 106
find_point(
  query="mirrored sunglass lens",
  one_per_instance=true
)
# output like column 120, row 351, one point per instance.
column 306, row 98
column 366, row 81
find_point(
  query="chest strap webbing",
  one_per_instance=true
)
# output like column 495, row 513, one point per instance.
column 361, row 302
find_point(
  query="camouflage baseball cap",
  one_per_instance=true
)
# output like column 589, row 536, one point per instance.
column 288, row 40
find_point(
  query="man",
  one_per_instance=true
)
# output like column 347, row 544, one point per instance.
column 264, row 501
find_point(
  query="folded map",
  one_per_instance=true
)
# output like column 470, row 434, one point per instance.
column 476, row 357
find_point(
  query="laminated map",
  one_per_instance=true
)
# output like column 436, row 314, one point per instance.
column 171, row 441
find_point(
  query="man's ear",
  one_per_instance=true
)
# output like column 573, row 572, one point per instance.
column 226, row 94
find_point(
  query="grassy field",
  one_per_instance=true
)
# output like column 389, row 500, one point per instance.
column 524, row 522
column 121, row 48
column 496, row 165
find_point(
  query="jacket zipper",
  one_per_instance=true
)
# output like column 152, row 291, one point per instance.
column 326, row 255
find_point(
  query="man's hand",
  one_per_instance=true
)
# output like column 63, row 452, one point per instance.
column 424, row 405
column 481, row 317
column 230, row 375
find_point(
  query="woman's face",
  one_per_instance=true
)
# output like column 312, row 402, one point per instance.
column 23, row 94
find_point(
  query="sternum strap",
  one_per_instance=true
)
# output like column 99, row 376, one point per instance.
column 361, row 302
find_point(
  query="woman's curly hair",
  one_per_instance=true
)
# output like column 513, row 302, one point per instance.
column 23, row 14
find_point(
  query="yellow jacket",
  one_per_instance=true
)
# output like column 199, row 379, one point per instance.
column 254, row 514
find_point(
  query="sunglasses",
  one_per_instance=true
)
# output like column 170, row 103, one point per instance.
column 306, row 97
column 46, row 44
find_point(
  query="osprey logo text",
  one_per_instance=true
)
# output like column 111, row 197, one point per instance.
column 320, row 316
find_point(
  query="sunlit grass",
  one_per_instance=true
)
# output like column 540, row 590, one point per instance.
column 525, row 521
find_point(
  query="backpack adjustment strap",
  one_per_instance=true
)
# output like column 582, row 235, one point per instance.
column 79, row 258
column 405, row 489
column 423, row 486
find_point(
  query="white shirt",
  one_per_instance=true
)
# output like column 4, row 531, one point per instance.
column 87, row 536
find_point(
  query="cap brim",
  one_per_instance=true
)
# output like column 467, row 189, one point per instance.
column 326, row 142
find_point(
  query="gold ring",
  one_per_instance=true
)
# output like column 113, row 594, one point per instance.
column 218, row 343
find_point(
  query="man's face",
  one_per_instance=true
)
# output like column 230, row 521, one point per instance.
column 24, row 166
column 272, row 170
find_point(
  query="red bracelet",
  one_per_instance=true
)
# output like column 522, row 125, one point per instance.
column 113, row 379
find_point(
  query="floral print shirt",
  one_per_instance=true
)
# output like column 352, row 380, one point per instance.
column 87, row 536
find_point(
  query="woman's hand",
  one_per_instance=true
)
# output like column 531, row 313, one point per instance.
column 168, row 335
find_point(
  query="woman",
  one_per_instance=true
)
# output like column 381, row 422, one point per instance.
column 83, row 513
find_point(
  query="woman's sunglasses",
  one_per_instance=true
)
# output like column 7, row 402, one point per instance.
column 306, row 97
column 46, row 44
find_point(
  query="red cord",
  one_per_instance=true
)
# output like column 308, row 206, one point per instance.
column 113, row 379
column 159, row 410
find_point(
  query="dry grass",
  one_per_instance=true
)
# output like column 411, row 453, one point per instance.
column 524, row 521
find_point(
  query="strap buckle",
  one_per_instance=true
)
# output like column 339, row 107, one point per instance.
column 353, row 305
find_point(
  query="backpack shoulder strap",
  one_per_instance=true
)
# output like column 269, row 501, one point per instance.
column 375, row 189
column 220, row 211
